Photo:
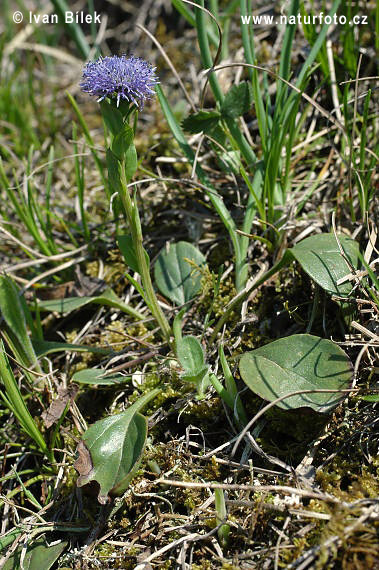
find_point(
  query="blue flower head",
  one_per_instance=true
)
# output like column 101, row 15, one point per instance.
column 121, row 78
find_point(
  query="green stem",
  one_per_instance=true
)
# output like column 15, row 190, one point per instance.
column 221, row 391
column 136, row 231
column 221, row 515
column 231, row 387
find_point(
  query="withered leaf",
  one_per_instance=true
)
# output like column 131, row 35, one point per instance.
column 57, row 407
column 49, row 292
column 83, row 464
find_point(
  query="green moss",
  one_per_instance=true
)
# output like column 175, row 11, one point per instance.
column 216, row 305
column 204, row 411
column 204, row 565
column 344, row 480
column 169, row 385
column 347, row 476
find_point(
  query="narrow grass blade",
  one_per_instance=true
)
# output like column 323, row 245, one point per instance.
column 188, row 14
column 212, row 193
column 15, row 402
column 11, row 311
column 74, row 29
column 90, row 142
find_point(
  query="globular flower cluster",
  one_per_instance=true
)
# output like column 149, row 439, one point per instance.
column 121, row 78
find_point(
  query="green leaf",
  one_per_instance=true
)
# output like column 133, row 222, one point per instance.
column 201, row 122
column 219, row 136
column 13, row 314
column 69, row 304
column 238, row 100
column 321, row 258
column 125, row 243
column 221, row 515
column 176, row 272
column 370, row 398
column 298, row 362
column 191, row 356
column 114, row 172
column 112, row 117
column 130, row 162
column 111, row 450
column 96, row 376
column 44, row 347
column 38, row 555
column 122, row 141
column 230, row 161
column 8, row 538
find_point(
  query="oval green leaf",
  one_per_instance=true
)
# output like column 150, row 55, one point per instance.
column 298, row 362
column 111, row 450
column 38, row 555
column 178, row 272
column 321, row 258
column 131, row 161
column 97, row 376
column 191, row 356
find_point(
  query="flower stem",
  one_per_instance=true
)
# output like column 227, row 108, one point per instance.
column 135, row 227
